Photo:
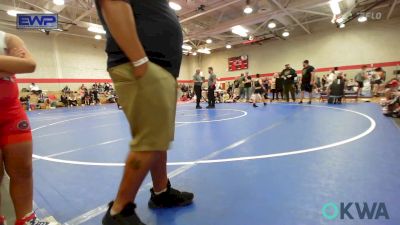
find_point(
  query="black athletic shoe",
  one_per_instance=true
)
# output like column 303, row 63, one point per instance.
column 210, row 107
column 300, row 102
column 265, row 103
column 254, row 105
column 169, row 199
column 199, row 107
column 126, row 217
column 309, row 102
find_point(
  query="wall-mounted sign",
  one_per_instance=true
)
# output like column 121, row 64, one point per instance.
column 238, row 63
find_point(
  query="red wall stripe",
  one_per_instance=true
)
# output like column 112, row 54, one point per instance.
column 85, row 80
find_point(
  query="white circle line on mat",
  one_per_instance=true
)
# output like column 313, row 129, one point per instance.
column 274, row 155
column 244, row 113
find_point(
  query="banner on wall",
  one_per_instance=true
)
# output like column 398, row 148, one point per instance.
column 37, row 21
column 238, row 63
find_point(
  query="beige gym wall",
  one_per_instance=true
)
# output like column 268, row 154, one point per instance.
column 371, row 42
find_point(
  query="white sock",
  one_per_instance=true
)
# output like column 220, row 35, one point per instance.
column 28, row 215
column 160, row 192
column 113, row 213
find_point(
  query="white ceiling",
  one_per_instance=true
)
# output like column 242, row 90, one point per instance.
column 202, row 19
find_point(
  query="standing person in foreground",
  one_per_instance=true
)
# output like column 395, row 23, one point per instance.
column 15, row 130
column 259, row 90
column 307, row 81
column 360, row 78
column 288, row 75
column 212, row 84
column 136, row 32
column 198, row 83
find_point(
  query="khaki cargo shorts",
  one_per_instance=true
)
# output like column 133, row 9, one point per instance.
column 149, row 104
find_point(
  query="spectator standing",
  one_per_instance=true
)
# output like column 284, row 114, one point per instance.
column 288, row 75
column 212, row 83
column 198, row 83
column 360, row 77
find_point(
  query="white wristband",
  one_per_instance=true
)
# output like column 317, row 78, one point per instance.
column 140, row 62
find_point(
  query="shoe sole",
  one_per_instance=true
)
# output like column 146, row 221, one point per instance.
column 154, row 206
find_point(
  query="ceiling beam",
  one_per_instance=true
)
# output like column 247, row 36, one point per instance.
column 221, row 45
column 80, row 17
column 44, row 9
column 291, row 16
column 310, row 12
column 209, row 11
column 248, row 20
column 391, row 9
column 226, row 26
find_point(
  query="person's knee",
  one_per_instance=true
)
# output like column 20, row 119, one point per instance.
column 23, row 172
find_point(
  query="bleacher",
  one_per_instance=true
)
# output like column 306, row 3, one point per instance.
column 54, row 100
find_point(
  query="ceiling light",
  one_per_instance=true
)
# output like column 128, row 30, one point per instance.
column 58, row 2
column 248, row 10
column 204, row 51
column 228, row 46
column 342, row 25
column 239, row 30
column 271, row 25
column 251, row 37
column 13, row 12
column 96, row 29
column 187, row 47
column 362, row 19
column 285, row 33
column 175, row 6
column 334, row 4
column 97, row 37
column 209, row 41
column 194, row 53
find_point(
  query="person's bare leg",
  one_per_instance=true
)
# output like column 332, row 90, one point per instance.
column 301, row 96
column 310, row 95
column 18, row 164
column 137, row 166
column 159, row 172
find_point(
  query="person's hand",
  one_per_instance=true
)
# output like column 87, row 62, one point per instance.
column 141, row 70
column 17, row 52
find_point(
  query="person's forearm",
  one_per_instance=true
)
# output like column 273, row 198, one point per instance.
column 119, row 17
column 13, row 65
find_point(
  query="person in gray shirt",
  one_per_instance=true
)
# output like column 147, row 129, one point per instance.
column 212, row 82
column 198, row 83
column 360, row 78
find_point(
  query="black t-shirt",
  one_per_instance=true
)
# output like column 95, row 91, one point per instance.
column 236, row 83
column 159, row 32
column 306, row 78
column 247, row 83
column 289, row 74
column 279, row 83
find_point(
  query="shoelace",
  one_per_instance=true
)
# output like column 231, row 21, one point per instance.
column 36, row 221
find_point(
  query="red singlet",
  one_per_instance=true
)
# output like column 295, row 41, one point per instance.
column 14, row 124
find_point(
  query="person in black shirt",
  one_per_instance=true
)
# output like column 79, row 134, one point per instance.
column 144, row 48
column 288, row 75
column 198, row 83
column 279, row 86
column 247, row 87
column 307, row 81
column 259, row 90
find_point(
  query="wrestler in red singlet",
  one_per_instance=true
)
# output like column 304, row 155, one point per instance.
column 14, row 124
column 15, row 131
